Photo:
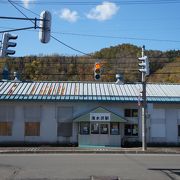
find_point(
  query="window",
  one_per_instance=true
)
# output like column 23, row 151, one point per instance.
column 104, row 128
column 115, row 128
column 94, row 128
column 134, row 112
column 127, row 112
column 179, row 130
column 131, row 113
column 131, row 129
column 84, row 128
column 64, row 129
column 32, row 128
column 5, row 128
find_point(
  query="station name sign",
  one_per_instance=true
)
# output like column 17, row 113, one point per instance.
column 100, row 116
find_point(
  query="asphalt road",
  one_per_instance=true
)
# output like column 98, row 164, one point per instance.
column 84, row 166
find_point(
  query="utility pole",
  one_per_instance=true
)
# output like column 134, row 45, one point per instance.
column 145, row 72
column 143, row 109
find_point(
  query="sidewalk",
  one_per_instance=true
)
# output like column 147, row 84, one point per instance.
column 138, row 150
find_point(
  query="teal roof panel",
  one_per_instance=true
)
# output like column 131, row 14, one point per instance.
column 86, row 91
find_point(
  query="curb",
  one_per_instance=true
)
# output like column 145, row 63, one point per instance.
column 86, row 152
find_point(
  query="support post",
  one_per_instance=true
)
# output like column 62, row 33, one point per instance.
column 143, row 107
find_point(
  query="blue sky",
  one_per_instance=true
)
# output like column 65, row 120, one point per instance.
column 117, row 21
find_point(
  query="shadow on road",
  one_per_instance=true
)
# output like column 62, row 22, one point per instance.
column 172, row 173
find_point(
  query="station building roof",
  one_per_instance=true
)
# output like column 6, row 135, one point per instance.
column 86, row 91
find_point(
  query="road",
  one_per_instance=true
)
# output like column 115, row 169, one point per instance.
column 83, row 166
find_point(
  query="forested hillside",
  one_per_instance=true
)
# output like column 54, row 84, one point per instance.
column 123, row 59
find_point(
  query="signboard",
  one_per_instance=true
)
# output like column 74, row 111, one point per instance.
column 100, row 117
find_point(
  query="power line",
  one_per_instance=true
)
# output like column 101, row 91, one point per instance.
column 59, row 60
column 19, row 10
column 91, row 35
column 51, row 35
column 25, row 8
column 70, row 47
column 106, row 36
column 88, row 3
column 91, row 74
column 167, row 73
column 120, row 37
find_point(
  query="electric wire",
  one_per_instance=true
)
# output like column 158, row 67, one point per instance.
column 89, row 74
column 25, row 8
column 68, row 45
column 19, row 11
column 88, row 3
column 152, row 59
column 118, row 37
column 53, row 36
column 102, row 36
column 91, row 35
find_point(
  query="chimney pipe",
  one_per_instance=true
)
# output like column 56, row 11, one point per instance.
column 119, row 79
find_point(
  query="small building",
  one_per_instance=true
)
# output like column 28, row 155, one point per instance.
column 87, row 113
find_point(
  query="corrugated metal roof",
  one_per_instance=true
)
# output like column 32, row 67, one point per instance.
column 90, row 91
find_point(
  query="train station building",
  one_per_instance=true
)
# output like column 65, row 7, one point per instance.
column 87, row 113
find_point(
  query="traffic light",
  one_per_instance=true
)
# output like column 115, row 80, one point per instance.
column 144, row 65
column 97, row 71
column 6, row 44
column 45, row 27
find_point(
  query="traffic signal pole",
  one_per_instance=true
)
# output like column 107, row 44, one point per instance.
column 44, row 32
column 144, row 107
column 44, row 26
column 34, row 20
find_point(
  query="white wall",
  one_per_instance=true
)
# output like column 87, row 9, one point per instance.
column 163, row 123
column 48, row 124
column 18, row 124
column 171, row 125
column 158, row 126
column 163, row 120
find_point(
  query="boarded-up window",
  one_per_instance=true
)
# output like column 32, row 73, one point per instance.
column 65, row 114
column 32, row 113
column 5, row 128
column 65, row 129
column 32, row 128
column 6, row 113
